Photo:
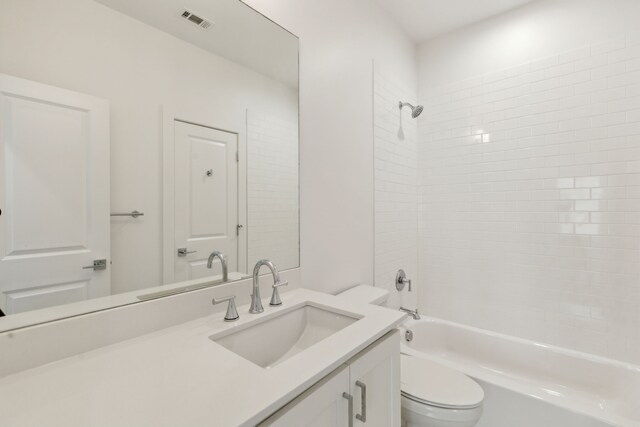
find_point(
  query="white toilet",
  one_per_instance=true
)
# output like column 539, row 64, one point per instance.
column 433, row 395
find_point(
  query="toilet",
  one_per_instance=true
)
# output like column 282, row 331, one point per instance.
column 432, row 395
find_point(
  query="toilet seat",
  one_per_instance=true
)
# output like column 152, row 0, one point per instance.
column 429, row 383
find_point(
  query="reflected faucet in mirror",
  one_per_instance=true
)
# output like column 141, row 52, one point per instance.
column 223, row 261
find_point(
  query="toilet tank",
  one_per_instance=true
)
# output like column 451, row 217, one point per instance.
column 366, row 294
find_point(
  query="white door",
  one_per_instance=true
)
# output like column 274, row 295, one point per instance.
column 323, row 405
column 375, row 384
column 205, row 199
column 54, row 195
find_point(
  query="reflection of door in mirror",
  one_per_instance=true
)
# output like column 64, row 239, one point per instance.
column 205, row 200
column 54, row 196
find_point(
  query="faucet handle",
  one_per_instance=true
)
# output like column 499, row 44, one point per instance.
column 401, row 280
column 232, row 312
column 275, row 296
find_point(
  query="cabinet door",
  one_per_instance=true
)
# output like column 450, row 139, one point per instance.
column 323, row 405
column 375, row 384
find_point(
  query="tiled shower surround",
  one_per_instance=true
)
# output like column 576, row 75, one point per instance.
column 272, row 147
column 396, row 192
column 529, row 188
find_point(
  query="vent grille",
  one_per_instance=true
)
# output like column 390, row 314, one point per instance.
column 195, row 19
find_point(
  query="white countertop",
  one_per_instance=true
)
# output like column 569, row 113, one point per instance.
column 179, row 377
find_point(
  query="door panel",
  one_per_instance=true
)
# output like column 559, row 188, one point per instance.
column 22, row 300
column 54, row 195
column 206, row 199
column 209, row 188
column 39, row 133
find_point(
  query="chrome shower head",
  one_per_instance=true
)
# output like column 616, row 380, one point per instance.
column 415, row 111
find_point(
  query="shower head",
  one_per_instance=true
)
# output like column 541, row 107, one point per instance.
column 415, row 111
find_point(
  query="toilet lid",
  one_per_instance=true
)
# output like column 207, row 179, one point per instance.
column 431, row 383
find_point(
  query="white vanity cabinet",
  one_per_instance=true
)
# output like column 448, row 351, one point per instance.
column 375, row 383
column 365, row 391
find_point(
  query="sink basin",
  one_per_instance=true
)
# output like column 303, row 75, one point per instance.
column 284, row 335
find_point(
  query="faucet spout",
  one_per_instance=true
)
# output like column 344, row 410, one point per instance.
column 223, row 261
column 412, row 313
column 256, row 303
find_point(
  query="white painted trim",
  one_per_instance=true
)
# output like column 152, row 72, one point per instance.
column 168, row 184
column 243, row 202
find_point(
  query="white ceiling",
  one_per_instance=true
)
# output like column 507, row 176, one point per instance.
column 425, row 19
column 238, row 33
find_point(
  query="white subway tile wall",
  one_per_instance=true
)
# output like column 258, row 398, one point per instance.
column 396, row 190
column 529, row 187
column 272, row 187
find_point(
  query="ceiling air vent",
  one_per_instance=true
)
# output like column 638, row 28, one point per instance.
column 198, row 20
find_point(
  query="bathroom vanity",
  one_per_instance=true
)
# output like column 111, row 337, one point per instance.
column 315, row 360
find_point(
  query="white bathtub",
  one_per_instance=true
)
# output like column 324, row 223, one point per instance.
column 586, row 385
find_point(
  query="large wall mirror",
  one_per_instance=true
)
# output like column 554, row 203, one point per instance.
column 136, row 139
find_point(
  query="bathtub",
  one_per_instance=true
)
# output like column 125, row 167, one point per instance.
column 595, row 391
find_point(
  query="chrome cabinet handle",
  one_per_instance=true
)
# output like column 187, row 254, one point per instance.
column 350, row 400
column 185, row 252
column 363, row 402
column 98, row 264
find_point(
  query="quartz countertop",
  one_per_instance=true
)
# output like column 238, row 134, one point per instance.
column 179, row 377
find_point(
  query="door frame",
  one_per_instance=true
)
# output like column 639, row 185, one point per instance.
column 169, row 116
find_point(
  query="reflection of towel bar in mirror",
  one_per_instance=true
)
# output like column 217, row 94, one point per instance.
column 134, row 214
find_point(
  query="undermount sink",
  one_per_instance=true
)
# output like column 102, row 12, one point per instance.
column 284, row 335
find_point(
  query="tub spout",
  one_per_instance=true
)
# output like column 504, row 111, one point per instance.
column 412, row 313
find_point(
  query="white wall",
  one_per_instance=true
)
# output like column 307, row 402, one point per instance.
column 83, row 46
column 533, row 228
column 338, row 41
column 396, row 189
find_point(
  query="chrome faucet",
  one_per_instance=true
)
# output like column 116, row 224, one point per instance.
column 412, row 313
column 256, row 303
column 223, row 261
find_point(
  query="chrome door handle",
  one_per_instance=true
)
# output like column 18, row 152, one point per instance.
column 185, row 252
column 350, row 400
column 134, row 214
column 363, row 402
column 98, row 264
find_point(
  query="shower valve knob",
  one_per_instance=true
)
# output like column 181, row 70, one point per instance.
column 401, row 280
